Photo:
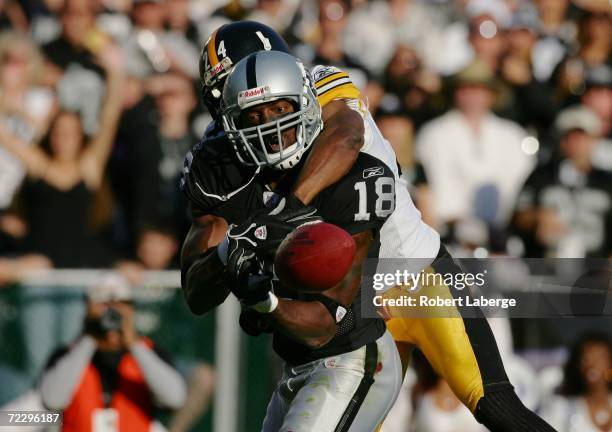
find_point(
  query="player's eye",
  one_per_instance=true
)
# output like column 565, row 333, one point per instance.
column 254, row 116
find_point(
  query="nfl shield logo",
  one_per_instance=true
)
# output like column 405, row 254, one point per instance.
column 261, row 232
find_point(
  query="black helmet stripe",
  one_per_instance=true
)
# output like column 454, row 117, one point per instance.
column 251, row 73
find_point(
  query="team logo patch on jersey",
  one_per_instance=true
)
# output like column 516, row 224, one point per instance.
column 253, row 94
column 373, row 172
column 261, row 232
column 340, row 312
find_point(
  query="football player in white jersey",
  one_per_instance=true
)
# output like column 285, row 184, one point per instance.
column 463, row 351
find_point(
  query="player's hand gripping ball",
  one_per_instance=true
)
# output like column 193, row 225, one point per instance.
column 314, row 257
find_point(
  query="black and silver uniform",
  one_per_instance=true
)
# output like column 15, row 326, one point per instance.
column 217, row 184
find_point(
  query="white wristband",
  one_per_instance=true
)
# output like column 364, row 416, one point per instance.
column 266, row 306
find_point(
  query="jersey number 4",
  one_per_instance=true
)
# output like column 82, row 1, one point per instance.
column 385, row 199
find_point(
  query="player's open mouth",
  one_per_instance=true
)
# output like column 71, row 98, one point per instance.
column 273, row 145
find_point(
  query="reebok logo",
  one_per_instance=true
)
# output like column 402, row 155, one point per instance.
column 373, row 172
column 325, row 71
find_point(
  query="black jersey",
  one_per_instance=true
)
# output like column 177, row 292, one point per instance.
column 217, row 184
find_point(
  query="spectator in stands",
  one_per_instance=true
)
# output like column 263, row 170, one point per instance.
column 598, row 97
column 110, row 377
column 409, row 86
column 72, row 66
column 488, row 40
column 66, row 174
column 26, row 108
column 329, row 49
column 133, row 162
column 80, row 39
column 398, row 129
column 157, row 49
column 585, row 401
column 436, row 408
column 277, row 14
column 594, row 50
column 156, row 249
column 474, row 160
column 44, row 20
column 557, row 35
column 532, row 101
column 179, row 20
column 565, row 206
column 176, row 101
column 154, row 135
column 12, row 16
column 325, row 46
column 388, row 24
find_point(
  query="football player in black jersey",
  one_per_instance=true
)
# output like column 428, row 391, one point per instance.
column 336, row 147
column 342, row 371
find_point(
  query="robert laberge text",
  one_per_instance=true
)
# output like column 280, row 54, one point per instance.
column 437, row 301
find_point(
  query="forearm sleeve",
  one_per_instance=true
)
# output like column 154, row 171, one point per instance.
column 165, row 383
column 59, row 382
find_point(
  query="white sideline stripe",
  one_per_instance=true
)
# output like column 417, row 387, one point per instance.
column 79, row 278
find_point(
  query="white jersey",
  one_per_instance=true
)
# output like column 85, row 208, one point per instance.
column 404, row 234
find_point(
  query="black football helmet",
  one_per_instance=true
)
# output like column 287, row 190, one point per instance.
column 229, row 44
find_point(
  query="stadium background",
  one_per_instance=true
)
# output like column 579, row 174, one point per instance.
column 543, row 65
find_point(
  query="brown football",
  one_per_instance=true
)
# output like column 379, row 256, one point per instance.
column 315, row 257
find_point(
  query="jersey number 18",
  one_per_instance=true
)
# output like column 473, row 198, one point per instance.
column 385, row 199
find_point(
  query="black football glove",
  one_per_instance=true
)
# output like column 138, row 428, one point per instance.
column 247, row 282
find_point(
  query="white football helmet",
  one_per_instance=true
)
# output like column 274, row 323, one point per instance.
column 264, row 77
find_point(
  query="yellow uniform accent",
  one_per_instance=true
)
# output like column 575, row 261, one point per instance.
column 334, row 76
column 345, row 90
column 212, row 52
column 442, row 339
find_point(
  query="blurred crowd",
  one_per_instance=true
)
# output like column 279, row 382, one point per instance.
column 499, row 111
column 575, row 396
